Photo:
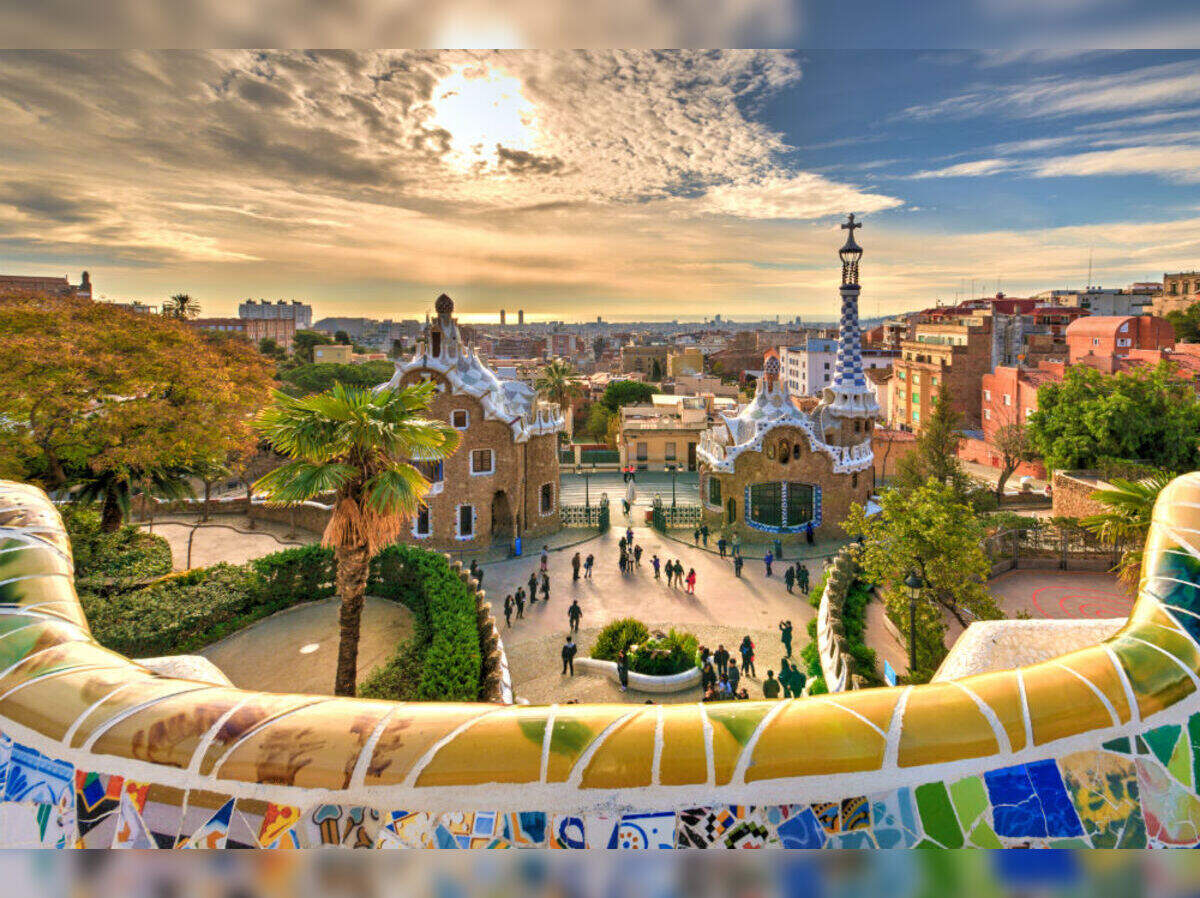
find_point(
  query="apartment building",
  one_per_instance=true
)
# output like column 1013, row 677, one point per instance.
column 1179, row 291
column 299, row 312
column 664, row 433
column 953, row 353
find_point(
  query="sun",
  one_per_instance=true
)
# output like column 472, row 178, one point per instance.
column 480, row 108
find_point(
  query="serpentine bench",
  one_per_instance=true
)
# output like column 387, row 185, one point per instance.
column 1098, row 747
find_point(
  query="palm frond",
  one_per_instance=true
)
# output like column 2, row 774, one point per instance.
column 397, row 490
column 300, row 480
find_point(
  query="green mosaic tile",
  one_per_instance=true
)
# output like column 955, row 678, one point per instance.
column 982, row 836
column 937, row 814
column 1122, row 745
column 1134, row 834
column 928, row 843
column 1069, row 843
column 1162, row 741
column 970, row 799
column 1142, row 749
column 1180, row 764
column 1194, row 737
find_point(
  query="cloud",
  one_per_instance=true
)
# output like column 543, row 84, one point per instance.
column 801, row 196
column 1169, row 84
column 974, row 169
column 1179, row 163
column 523, row 162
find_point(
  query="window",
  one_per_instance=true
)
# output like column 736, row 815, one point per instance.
column 643, row 451
column 433, row 471
column 466, row 521
column 459, row 419
column 714, row 491
column 854, row 480
column 916, row 397
column 799, row 504
column 1095, row 341
column 421, row 528
column 766, row 504
column 987, row 395
column 546, row 499
column 916, row 378
column 669, row 452
column 1007, row 399
column 902, row 374
column 1124, row 341
column 483, row 461
column 987, row 414
column 730, row 511
column 916, row 416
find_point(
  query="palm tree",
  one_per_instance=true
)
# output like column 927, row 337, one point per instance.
column 1127, row 521
column 355, row 443
column 113, row 488
column 559, row 383
column 181, row 306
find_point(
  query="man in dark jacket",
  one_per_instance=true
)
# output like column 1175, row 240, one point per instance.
column 722, row 658
column 770, row 686
column 574, row 613
column 568, row 656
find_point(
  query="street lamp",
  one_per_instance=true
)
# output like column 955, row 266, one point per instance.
column 674, row 473
column 913, row 584
column 587, row 501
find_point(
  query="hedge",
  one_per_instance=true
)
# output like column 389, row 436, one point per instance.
column 446, row 631
column 185, row 612
column 110, row 561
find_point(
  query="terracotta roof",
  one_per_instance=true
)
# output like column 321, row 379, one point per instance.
column 1098, row 325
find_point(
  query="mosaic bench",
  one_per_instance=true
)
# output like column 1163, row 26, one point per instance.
column 1099, row 747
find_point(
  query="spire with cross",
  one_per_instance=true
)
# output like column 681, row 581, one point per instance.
column 852, row 395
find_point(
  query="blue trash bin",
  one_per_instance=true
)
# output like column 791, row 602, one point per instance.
column 517, row 547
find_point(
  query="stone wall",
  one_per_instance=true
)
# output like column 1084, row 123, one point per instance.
column 1071, row 493
column 1095, row 748
column 837, row 664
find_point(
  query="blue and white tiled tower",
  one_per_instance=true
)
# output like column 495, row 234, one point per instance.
column 850, row 396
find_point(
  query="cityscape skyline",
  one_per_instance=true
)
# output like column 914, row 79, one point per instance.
column 689, row 183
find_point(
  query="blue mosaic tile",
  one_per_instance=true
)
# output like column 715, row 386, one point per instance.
column 1030, row 801
column 802, row 831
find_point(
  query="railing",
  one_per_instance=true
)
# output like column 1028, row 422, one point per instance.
column 1051, row 546
column 599, row 456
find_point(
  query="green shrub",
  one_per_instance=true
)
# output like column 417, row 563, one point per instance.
column 302, row 574
column 814, row 594
column 670, row 654
column 398, row 678
column 618, row 637
column 109, row 561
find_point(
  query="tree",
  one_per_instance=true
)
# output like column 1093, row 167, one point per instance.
column 318, row 377
column 936, row 454
column 1186, row 324
column 1126, row 522
column 98, row 395
column 597, row 421
column 341, row 337
column 559, row 383
column 1148, row 415
column 1012, row 441
column 304, row 341
column 933, row 531
column 353, row 442
column 181, row 306
column 397, row 349
column 626, row 392
column 271, row 349
column 113, row 489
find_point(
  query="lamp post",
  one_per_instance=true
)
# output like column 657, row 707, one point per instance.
column 913, row 584
column 674, row 474
column 587, row 499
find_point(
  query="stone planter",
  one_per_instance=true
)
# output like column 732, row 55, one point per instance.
column 641, row 682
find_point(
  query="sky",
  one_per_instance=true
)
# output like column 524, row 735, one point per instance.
column 629, row 184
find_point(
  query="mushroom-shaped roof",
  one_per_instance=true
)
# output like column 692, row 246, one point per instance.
column 444, row 305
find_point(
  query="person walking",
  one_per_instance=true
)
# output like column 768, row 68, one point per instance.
column 691, row 581
column 508, row 610
column 678, row 572
column 623, row 670
column 704, row 534
column 746, row 650
column 568, row 656
column 545, row 587
column 657, row 565
column 621, row 560
column 735, row 675
column 785, row 678
column 587, row 566
column 737, row 544
column 785, row 636
column 789, row 579
column 533, row 585
column 768, row 559
column 798, row 681
column 737, row 565
column 520, row 603
column 808, row 532
column 629, row 536
column 802, row 577
column 721, row 546
column 708, row 676
column 576, row 561
column 721, row 656
column 696, row 536
column 574, row 613
column 771, row 686
column 545, row 559
column 637, row 555
column 622, row 544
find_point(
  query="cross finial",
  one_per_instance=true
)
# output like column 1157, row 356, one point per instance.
column 851, row 224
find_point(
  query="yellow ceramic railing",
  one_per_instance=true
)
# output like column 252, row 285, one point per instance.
column 71, row 699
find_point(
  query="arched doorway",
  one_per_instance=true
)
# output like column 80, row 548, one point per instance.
column 502, row 517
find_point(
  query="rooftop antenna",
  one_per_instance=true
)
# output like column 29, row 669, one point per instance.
column 1089, row 281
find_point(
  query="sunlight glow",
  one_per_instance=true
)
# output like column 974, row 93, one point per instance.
column 481, row 108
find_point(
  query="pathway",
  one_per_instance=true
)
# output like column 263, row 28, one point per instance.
column 296, row 650
column 219, row 539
